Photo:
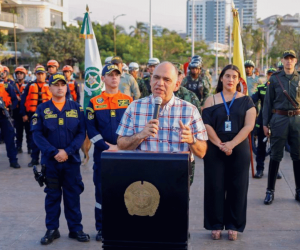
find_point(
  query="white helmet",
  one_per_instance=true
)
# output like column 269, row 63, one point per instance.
column 108, row 59
column 29, row 72
column 133, row 66
column 153, row 61
column 125, row 67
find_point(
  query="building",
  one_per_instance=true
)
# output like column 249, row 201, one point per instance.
column 247, row 10
column 205, row 18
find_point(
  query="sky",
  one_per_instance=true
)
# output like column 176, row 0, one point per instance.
column 170, row 14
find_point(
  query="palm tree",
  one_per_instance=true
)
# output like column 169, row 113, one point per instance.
column 139, row 30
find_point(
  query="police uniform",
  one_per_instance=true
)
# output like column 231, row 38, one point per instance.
column 284, row 121
column 103, row 116
column 8, row 132
column 52, row 130
column 74, row 90
column 143, row 88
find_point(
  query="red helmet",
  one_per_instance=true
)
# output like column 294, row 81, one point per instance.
column 67, row 68
column 5, row 68
column 21, row 69
column 53, row 63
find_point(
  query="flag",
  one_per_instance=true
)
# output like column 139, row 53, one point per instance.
column 238, row 56
column 93, row 66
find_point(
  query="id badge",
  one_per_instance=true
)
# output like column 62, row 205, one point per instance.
column 228, row 126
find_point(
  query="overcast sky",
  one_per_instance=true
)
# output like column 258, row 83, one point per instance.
column 167, row 13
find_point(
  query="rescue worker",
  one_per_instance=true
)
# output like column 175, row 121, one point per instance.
column 259, row 95
column 73, row 85
column 52, row 67
column 134, row 71
column 152, row 63
column 34, row 94
column 251, row 79
column 10, row 101
column 6, row 75
column 103, row 115
column 195, row 82
column 281, row 112
column 128, row 84
column 59, row 130
column 20, row 73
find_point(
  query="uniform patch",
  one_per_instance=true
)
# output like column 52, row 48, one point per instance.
column 47, row 111
column 61, row 121
column 100, row 100
column 101, row 106
column 50, row 116
column 90, row 116
column 72, row 113
column 113, row 113
column 81, row 108
column 123, row 103
column 90, row 109
column 34, row 121
column 35, row 115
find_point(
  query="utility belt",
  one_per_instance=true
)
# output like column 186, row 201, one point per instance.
column 286, row 112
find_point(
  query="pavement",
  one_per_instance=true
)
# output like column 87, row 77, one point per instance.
column 22, row 214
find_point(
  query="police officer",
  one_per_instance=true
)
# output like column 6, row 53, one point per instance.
column 195, row 82
column 128, row 84
column 279, row 66
column 20, row 73
column 281, row 112
column 9, row 101
column 73, row 85
column 259, row 95
column 103, row 115
column 134, row 71
column 59, row 130
column 152, row 63
column 35, row 93
column 251, row 79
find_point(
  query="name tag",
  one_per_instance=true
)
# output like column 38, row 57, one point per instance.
column 228, row 126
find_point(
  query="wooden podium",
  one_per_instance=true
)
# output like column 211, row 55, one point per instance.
column 145, row 200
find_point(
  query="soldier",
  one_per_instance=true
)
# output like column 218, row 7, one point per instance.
column 134, row 71
column 281, row 112
column 195, row 82
column 128, row 84
column 35, row 93
column 73, row 85
column 251, row 79
column 8, row 101
column 259, row 95
column 19, row 87
column 152, row 63
column 102, row 120
column 125, row 68
column 59, row 130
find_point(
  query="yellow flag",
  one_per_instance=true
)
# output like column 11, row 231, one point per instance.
column 238, row 56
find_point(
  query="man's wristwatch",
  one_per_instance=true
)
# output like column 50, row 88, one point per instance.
column 194, row 141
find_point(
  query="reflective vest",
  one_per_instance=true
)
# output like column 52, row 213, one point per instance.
column 5, row 96
column 21, row 88
column 73, row 90
column 37, row 95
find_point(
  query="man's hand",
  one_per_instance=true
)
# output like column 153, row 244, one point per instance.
column 112, row 147
column 150, row 129
column 186, row 133
column 62, row 156
column 266, row 131
column 19, row 98
column 25, row 118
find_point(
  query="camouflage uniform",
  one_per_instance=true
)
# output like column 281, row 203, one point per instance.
column 143, row 88
column 129, row 86
column 146, row 80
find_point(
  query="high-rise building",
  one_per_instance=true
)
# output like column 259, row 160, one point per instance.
column 205, row 16
column 247, row 10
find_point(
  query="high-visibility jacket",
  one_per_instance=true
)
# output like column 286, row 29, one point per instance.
column 20, row 88
column 5, row 95
column 74, row 89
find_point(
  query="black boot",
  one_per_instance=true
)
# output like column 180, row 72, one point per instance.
column 20, row 150
column 80, row 236
column 273, row 171
column 259, row 174
column 50, row 236
column 99, row 236
column 279, row 176
column 296, row 166
column 33, row 163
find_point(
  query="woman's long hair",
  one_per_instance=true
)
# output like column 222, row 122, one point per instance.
column 229, row 66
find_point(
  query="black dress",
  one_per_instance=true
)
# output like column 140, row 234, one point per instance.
column 226, row 177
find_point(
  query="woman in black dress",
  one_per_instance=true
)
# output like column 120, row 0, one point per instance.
column 229, row 117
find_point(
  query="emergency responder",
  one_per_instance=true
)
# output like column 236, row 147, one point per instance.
column 20, row 73
column 59, row 130
column 134, row 71
column 259, row 95
column 103, row 115
column 73, row 85
column 281, row 112
column 251, row 79
column 128, row 84
column 34, row 94
column 6, row 75
column 52, row 67
column 195, row 82
column 152, row 63
column 10, row 101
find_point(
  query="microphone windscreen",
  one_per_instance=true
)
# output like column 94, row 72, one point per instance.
column 158, row 100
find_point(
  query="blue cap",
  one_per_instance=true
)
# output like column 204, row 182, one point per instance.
column 55, row 78
column 108, row 68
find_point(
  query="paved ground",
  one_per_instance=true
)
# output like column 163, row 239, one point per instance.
column 22, row 212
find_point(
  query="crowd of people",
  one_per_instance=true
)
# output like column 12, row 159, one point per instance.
column 213, row 124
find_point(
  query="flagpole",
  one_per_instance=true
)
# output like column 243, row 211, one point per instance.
column 217, row 38
column 150, row 33
column 193, row 28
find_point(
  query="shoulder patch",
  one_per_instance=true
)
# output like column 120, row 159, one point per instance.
column 34, row 121
column 90, row 109
column 90, row 116
column 35, row 115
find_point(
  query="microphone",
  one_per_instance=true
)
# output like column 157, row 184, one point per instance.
column 158, row 102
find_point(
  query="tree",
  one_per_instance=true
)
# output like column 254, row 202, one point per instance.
column 139, row 30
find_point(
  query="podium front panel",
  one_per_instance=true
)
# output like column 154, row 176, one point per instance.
column 145, row 200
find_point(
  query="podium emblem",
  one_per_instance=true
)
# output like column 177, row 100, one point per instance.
column 141, row 198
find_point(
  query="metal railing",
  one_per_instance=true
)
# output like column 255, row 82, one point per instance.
column 55, row 2
column 9, row 17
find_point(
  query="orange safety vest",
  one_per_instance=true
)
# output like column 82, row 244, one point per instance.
column 4, row 94
column 37, row 95
column 21, row 88
column 72, row 90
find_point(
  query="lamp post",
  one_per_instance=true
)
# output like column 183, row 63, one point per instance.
column 115, row 38
column 150, row 32
column 193, row 28
column 217, row 38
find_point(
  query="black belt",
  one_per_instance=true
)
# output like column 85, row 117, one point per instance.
column 286, row 112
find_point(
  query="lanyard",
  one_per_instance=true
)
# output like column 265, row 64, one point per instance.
column 225, row 104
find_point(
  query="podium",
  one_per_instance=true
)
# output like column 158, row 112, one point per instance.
column 145, row 200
